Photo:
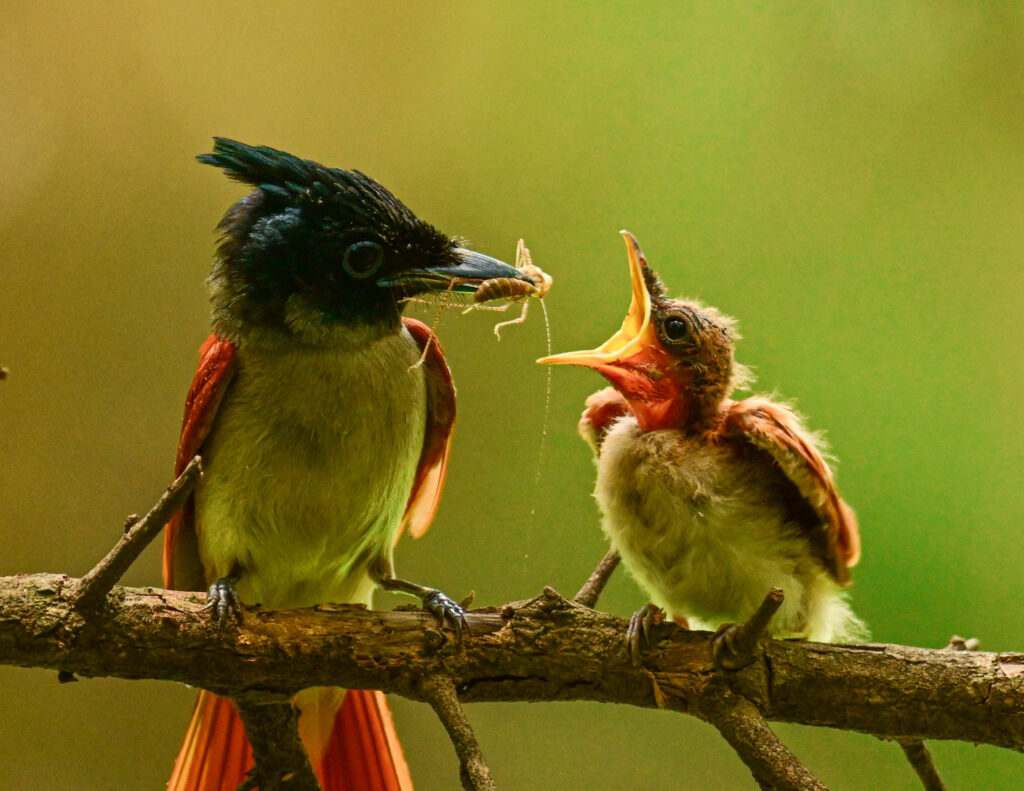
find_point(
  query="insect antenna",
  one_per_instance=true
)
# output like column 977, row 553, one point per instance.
column 542, row 448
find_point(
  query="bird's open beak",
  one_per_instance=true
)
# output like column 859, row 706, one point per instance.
column 464, row 276
column 636, row 335
column 634, row 360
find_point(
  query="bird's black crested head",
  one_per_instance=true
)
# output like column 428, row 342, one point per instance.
column 310, row 248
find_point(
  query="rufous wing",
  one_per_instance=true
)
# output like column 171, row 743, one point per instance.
column 181, row 553
column 600, row 412
column 433, row 463
column 778, row 431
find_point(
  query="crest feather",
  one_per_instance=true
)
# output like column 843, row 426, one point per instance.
column 286, row 178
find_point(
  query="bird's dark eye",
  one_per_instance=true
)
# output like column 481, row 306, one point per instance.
column 362, row 259
column 676, row 329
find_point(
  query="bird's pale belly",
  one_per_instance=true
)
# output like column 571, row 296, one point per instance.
column 309, row 471
column 703, row 535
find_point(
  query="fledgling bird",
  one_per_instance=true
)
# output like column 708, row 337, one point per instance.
column 324, row 419
column 711, row 502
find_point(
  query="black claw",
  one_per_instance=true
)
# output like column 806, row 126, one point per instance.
column 723, row 649
column 640, row 624
column 446, row 610
column 222, row 599
column 442, row 606
column 632, row 641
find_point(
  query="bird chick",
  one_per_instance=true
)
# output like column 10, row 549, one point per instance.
column 711, row 502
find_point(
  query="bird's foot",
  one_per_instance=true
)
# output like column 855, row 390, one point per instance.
column 222, row 600
column 640, row 624
column 733, row 647
column 446, row 610
column 723, row 645
column 736, row 645
column 441, row 605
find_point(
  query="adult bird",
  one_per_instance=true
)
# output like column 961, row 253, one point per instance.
column 711, row 502
column 323, row 418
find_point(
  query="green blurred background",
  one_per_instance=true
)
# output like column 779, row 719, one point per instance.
column 847, row 178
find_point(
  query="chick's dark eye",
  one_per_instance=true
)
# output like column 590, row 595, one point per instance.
column 362, row 259
column 676, row 329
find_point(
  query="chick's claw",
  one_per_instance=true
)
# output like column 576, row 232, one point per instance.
column 640, row 628
column 222, row 600
column 729, row 650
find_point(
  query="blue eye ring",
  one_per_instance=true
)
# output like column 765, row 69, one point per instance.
column 362, row 260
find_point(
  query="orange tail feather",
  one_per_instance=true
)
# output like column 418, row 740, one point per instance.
column 362, row 752
column 216, row 754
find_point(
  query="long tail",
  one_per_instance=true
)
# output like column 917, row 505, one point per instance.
column 353, row 747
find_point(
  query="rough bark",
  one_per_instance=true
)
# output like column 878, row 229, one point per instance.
column 272, row 727
column 545, row 649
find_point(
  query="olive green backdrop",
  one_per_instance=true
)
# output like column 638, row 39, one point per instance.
column 847, row 178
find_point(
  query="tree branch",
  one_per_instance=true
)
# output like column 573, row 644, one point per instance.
column 771, row 763
column 593, row 587
column 736, row 646
column 543, row 649
column 920, row 758
column 272, row 728
column 91, row 589
column 440, row 693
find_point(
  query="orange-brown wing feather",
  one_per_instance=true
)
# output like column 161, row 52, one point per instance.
column 181, row 554
column 778, row 431
column 433, row 463
column 600, row 411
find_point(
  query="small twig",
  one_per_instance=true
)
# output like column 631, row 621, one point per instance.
column 440, row 693
column 917, row 752
column 921, row 759
column 740, row 643
column 771, row 763
column 592, row 588
column 93, row 588
column 272, row 729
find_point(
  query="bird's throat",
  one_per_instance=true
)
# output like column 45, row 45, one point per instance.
column 657, row 395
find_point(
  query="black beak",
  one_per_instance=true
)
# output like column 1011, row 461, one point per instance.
column 463, row 275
